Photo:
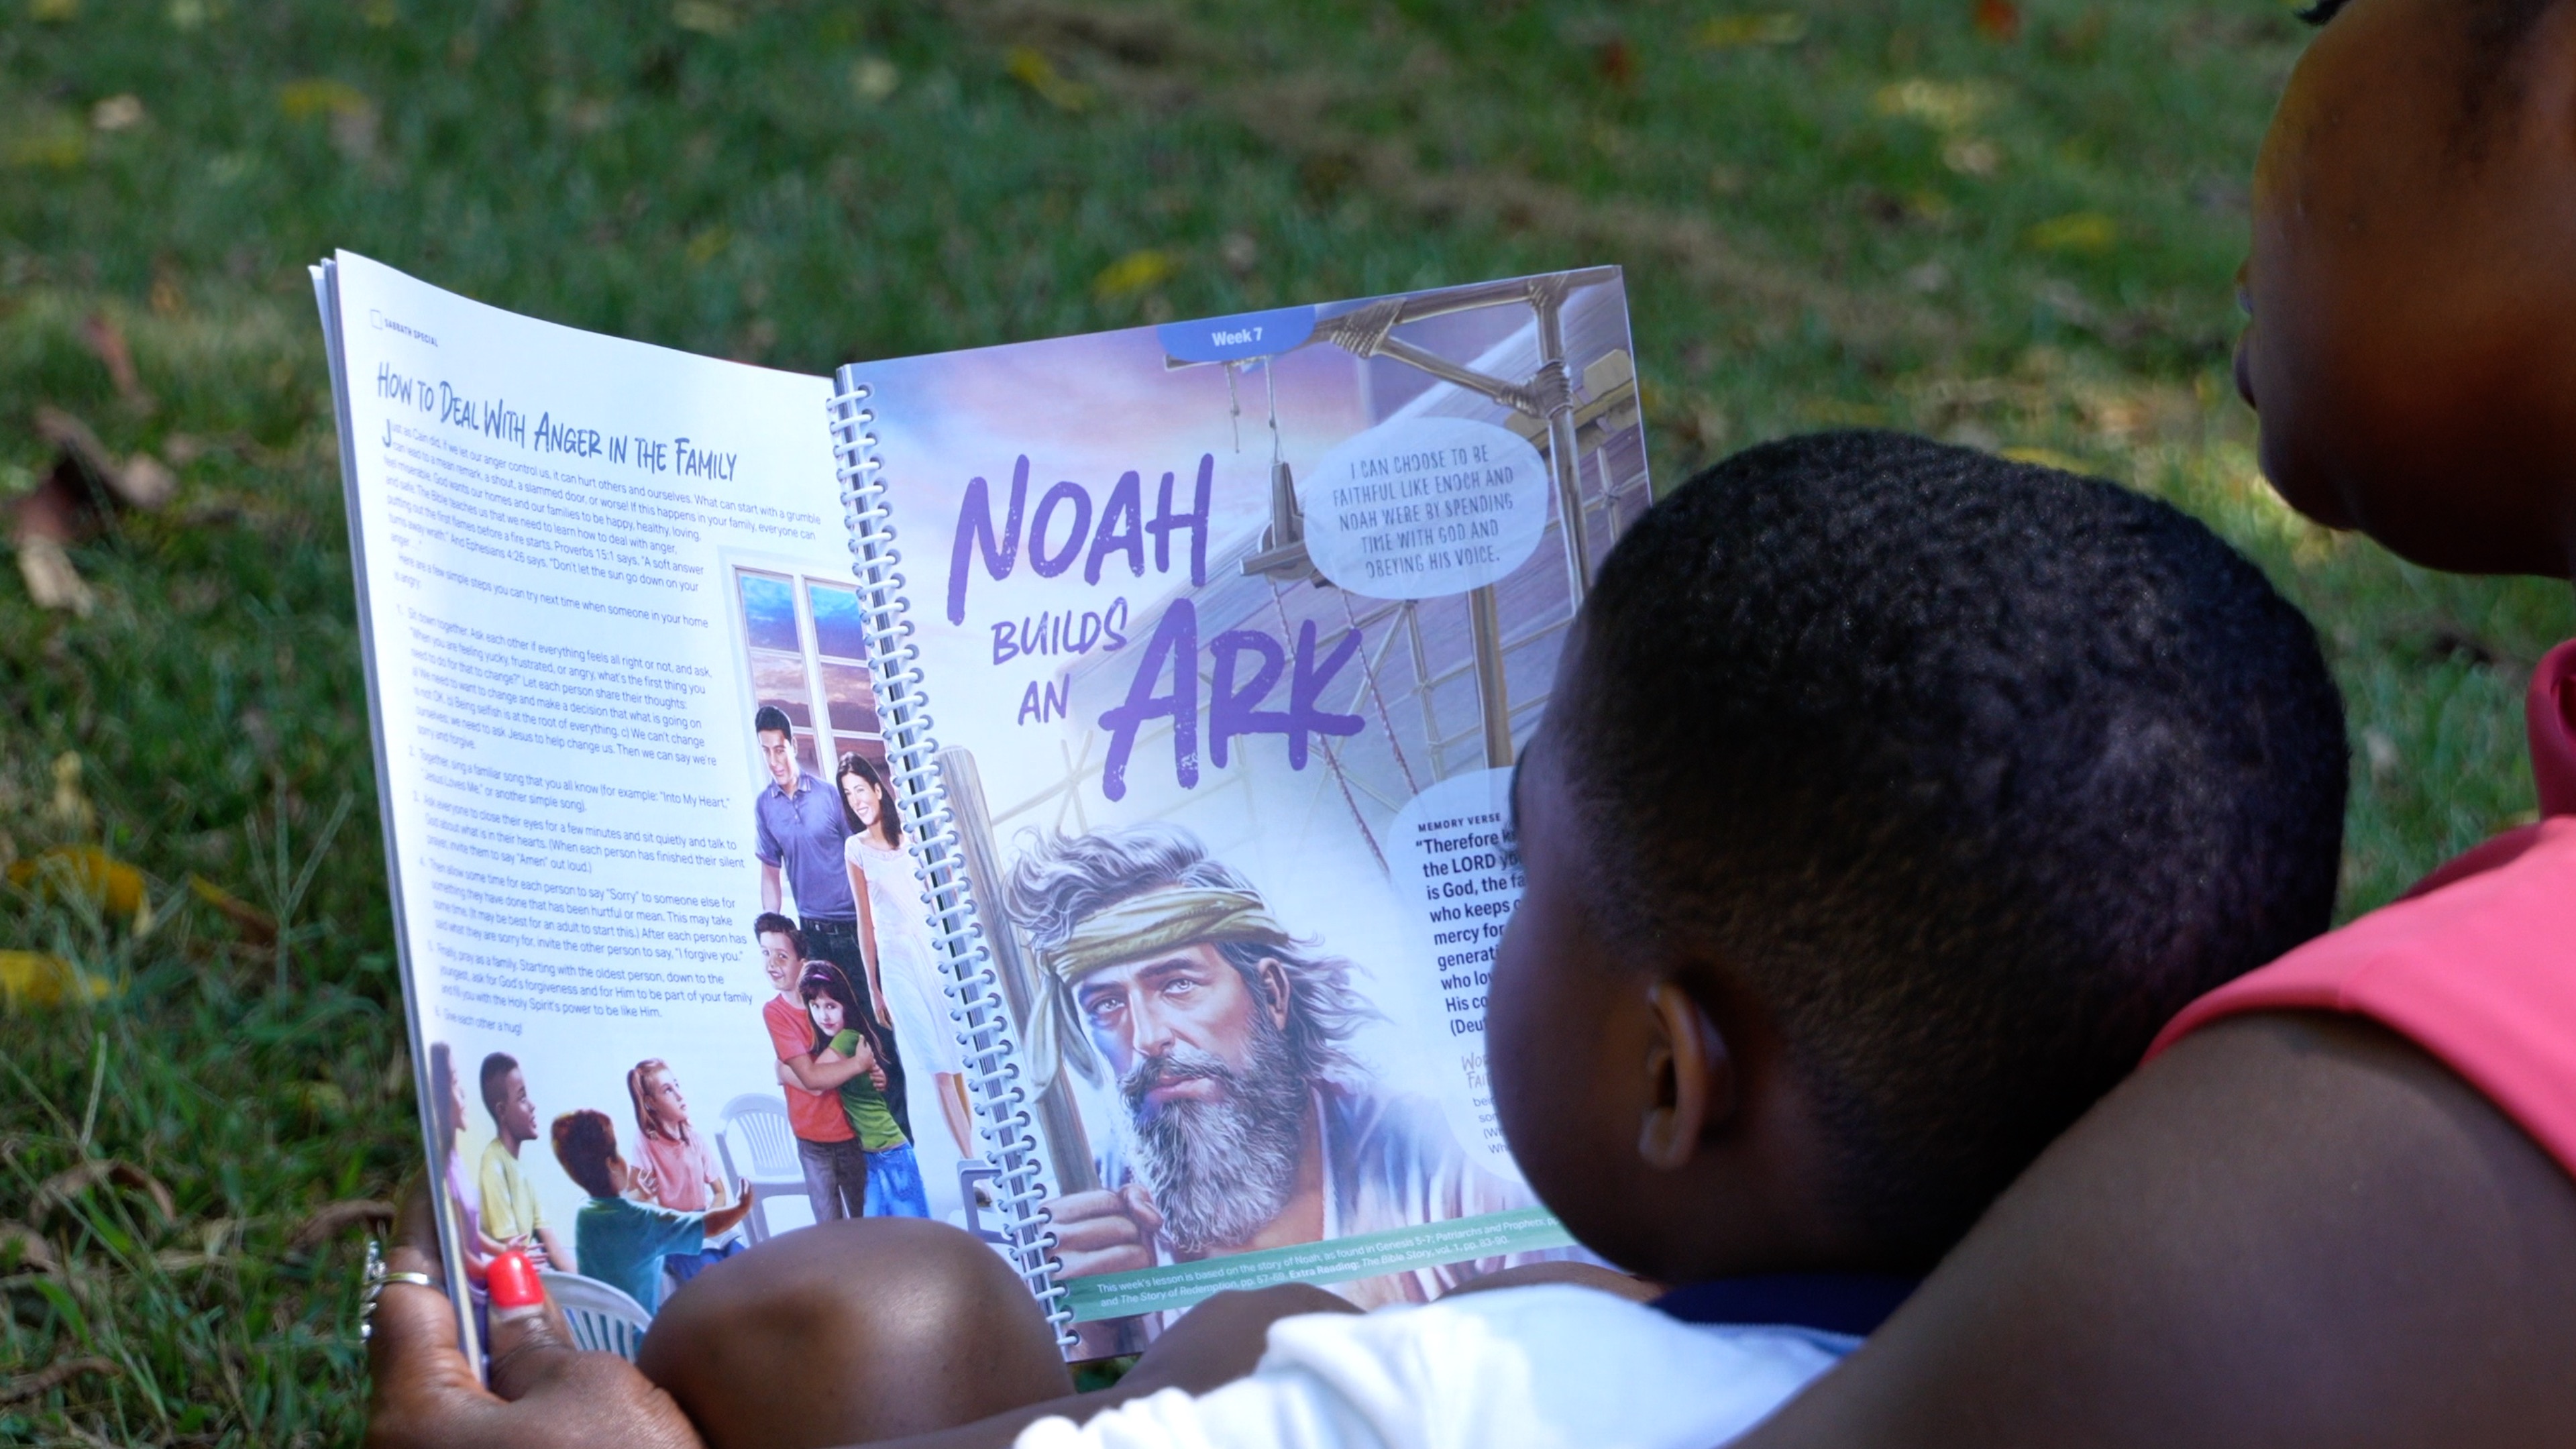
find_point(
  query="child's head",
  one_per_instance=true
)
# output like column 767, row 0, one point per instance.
column 830, row 1001
column 586, row 1145
column 505, row 1096
column 1891, row 799
column 2413, row 348
column 782, row 950
column 660, row 1110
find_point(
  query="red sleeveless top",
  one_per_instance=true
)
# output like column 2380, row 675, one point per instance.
column 2477, row 963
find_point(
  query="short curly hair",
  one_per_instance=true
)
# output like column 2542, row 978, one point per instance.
column 1976, row 772
column 585, row 1143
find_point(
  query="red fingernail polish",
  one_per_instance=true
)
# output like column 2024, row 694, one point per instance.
column 512, row 1281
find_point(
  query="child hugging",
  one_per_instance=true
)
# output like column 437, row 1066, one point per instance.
column 843, row 1032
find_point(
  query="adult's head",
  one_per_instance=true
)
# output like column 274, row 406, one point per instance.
column 1216, row 1024
column 585, row 1142
column 505, row 1096
column 867, row 805
column 660, row 1110
column 782, row 950
column 777, row 736
column 2413, row 348
column 1892, row 797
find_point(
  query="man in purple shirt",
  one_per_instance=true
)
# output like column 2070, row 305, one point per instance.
column 801, row 826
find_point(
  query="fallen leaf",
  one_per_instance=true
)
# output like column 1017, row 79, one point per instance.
column 319, row 95
column 141, row 481
column 255, row 925
column 874, row 78
column 117, row 113
column 702, row 17
column 87, row 873
column 1942, row 105
column 1135, row 272
column 107, row 340
column 51, row 580
column 2076, row 231
column 333, row 1219
column 1972, row 156
column 54, row 1375
column 59, row 1189
column 34, row 978
column 27, row 1248
column 70, row 807
column 1031, row 68
column 49, row 139
column 1728, row 32
column 352, row 116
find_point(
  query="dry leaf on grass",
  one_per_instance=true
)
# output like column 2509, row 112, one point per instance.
column 107, row 341
column 51, row 580
column 24, row 1247
column 87, row 873
column 59, row 1189
column 54, row 1375
column 333, row 1219
column 257, row 927
column 34, row 978
column 141, row 481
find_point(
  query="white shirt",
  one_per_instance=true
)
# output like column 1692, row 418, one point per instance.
column 1551, row 1367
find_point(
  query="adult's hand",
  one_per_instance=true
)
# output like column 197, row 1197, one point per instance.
column 544, row 1391
column 1105, row 1231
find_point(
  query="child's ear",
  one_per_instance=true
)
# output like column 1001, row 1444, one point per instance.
column 1690, row 1078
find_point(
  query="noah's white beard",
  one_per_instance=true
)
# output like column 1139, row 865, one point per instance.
column 1220, row 1170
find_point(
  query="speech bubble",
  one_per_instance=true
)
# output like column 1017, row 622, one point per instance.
column 1419, row 508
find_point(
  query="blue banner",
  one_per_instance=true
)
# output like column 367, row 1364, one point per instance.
column 1232, row 339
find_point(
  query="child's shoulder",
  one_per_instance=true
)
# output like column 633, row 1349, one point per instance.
column 1551, row 1363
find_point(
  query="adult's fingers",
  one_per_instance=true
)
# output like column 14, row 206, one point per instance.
column 1090, row 1221
column 530, row 1352
column 418, row 1376
column 1106, row 1260
column 1140, row 1206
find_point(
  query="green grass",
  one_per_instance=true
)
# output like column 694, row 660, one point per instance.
column 1868, row 213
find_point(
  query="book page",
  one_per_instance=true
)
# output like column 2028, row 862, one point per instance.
column 1231, row 630
column 579, row 557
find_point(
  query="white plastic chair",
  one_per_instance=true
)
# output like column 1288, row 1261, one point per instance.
column 759, row 1148
column 603, row 1318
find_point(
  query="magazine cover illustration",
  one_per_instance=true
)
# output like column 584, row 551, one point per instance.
column 1231, row 628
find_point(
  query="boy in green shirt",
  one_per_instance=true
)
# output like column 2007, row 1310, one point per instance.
column 619, row 1241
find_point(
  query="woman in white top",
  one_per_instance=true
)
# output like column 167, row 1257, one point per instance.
column 901, row 970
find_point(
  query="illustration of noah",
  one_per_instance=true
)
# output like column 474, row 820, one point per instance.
column 1249, row 1123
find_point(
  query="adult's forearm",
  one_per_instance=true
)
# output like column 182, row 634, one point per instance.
column 2289, row 1230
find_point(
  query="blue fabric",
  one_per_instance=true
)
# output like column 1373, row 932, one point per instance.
column 802, row 834
column 1852, row 1303
column 894, row 1185
column 685, row 1266
column 621, row 1242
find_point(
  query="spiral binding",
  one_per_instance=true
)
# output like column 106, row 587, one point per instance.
column 986, row 1036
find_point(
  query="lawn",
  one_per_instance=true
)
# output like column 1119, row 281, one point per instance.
column 2008, row 226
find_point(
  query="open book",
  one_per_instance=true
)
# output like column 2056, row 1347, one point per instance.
column 1056, row 788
